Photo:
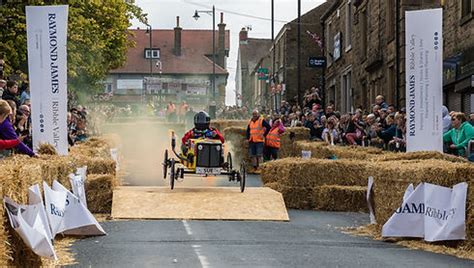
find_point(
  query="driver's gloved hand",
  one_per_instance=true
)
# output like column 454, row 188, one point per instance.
column 184, row 149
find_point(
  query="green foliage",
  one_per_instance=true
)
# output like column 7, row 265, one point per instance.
column 97, row 38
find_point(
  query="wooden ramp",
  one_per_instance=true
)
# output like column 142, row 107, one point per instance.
column 198, row 203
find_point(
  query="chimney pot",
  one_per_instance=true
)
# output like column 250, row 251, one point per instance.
column 222, row 17
column 177, row 21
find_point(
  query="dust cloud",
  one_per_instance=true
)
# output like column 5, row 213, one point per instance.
column 143, row 143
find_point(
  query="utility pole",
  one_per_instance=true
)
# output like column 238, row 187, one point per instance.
column 273, row 81
column 298, row 51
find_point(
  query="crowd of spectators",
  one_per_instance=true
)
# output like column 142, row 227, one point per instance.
column 382, row 125
column 15, row 116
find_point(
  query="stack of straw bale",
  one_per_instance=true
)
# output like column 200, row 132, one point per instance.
column 19, row 172
column 289, row 145
column 237, row 144
column 335, row 185
column 99, row 189
column 324, row 151
column 392, row 178
column 223, row 124
column 388, row 156
column 299, row 172
column 340, row 198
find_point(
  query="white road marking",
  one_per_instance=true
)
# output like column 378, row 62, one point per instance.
column 187, row 227
column 197, row 248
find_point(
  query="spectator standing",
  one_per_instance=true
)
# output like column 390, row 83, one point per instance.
column 257, row 130
column 272, row 140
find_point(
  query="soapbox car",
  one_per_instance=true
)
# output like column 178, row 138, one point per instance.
column 204, row 157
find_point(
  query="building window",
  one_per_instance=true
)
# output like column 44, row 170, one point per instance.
column 390, row 19
column 466, row 9
column 348, row 33
column 329, row 44
column 346, row 92
column 152, row 53
column 364, row 34
column 390, row 96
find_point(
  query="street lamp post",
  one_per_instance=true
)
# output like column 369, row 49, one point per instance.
column 212, row 106
column 150, row 50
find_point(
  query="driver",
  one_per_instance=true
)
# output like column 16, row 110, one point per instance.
column 202, row 129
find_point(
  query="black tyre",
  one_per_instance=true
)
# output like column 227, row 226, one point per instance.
column 243, row 176
column 165, row 164
column 229, row 161
column 172, row 173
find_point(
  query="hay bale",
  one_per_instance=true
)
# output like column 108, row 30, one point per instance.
column 289, row 141
column 237, row 144
column 4, row 249
column 340, row 198
column 223, row 124
column 96, row 165
column 297, row 172
column 295, row 197
column 99, row 190
column 46, row 148
column 324, row 151
column 392, row 178
column 423, row 155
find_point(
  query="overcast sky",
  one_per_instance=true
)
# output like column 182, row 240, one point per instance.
column 237, row 14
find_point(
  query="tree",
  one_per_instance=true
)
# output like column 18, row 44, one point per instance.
column 98, row 39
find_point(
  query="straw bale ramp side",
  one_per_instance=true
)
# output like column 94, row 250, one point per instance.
column 200, row 203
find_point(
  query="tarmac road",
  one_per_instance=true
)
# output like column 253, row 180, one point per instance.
column 310, row 239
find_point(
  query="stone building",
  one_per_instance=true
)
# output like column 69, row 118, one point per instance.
column 365, row 50
column 249, row 53
column 286, row 57
column 458, row 65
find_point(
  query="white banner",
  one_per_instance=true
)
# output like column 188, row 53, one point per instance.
column 424, row 85
column 34, row 198
column 77, row 220
column 27, row 222
column 432, row 212
column 55, row 203
column 78, row 181
column 369, row 199
column 46, row 28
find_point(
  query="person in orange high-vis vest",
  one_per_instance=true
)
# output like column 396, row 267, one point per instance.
column 257, row 129
column 272, row 140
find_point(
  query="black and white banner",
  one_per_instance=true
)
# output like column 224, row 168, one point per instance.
column 431, row 212
column 424, row 85
column 47, row 67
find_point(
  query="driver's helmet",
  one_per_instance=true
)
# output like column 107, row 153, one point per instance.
column 202, row 121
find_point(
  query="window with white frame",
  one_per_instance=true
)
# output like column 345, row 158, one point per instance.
column 348, row 33
column 152, row 53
